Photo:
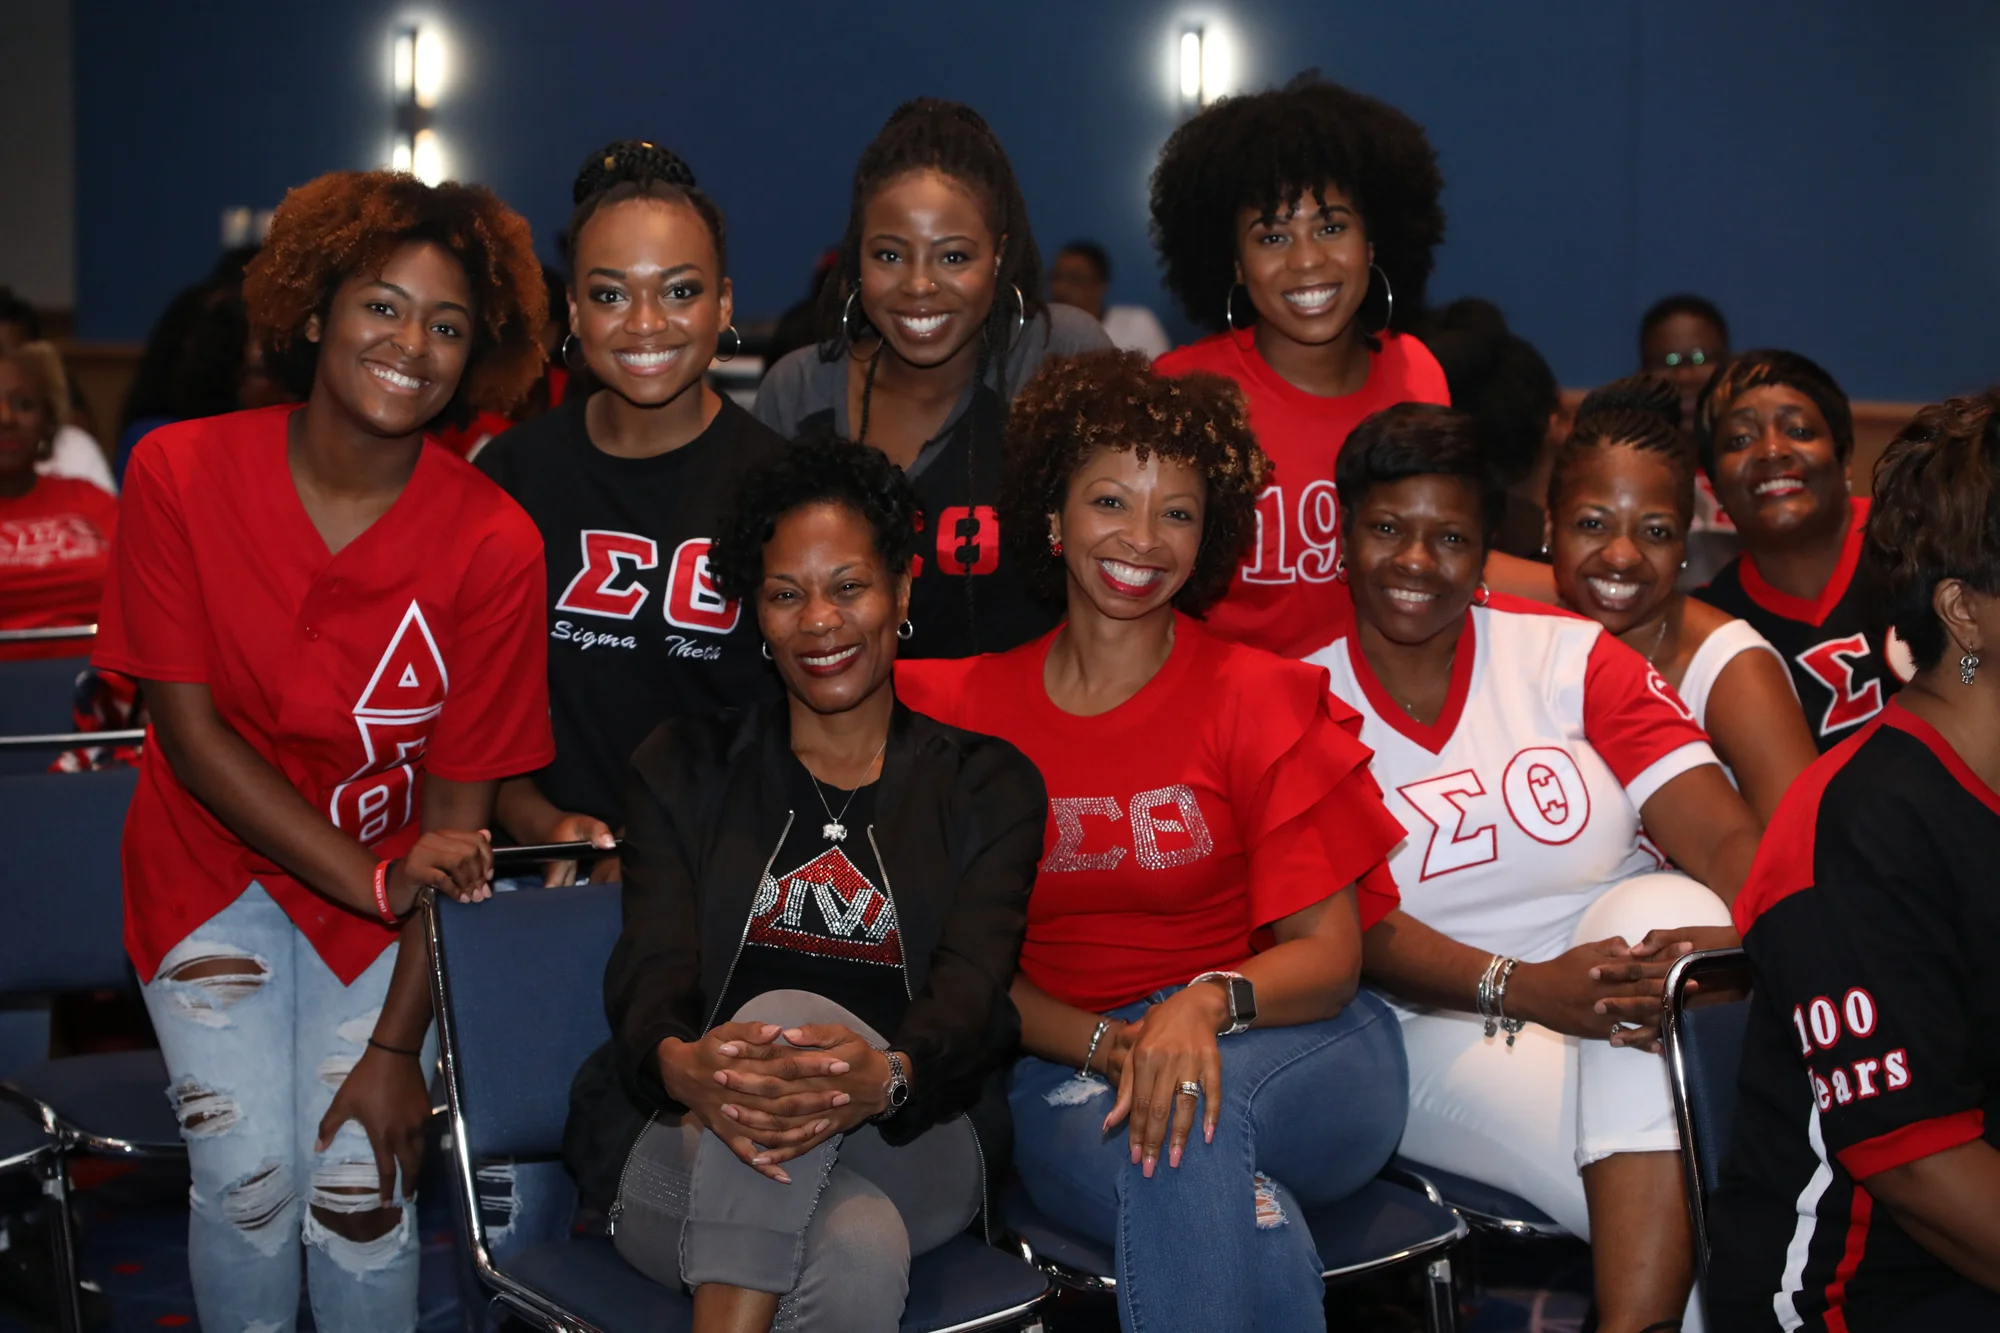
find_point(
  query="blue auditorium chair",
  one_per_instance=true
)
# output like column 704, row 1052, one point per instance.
column 518, row 985
column 67, row 934
column 35, row 700
column 1486, row 1208
column 1392, row 1220
column 1704, row 1048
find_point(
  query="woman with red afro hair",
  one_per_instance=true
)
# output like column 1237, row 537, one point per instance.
column 337, row 625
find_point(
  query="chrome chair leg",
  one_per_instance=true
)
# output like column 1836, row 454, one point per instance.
column 1440, row 1299
column 54, row 1167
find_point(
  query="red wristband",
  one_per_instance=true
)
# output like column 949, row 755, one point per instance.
column 382, row 893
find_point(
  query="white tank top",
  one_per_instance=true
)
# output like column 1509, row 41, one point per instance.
column 1717, row 651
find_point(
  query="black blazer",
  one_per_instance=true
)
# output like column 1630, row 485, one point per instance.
column 959, row 826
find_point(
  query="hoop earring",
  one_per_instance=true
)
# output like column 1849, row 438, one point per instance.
column 847, row 310
column 766, row 646
column 1020, row 310
column 1340, row 569
column 1482, row 594
column 1229, row 307
column 1968, row 667
column 572, row 353
column 905, row 631
column 734, row 348
column 1390, row 317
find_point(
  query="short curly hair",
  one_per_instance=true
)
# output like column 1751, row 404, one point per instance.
column 1936, row 515
column 1760, row 369
column 1076, row 405
column 349, row 222
column 817, row 469
column 1266, row 149
column 1419, row 440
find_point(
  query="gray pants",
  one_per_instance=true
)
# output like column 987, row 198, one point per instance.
column 836, row 1242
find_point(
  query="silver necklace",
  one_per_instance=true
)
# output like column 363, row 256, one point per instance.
column 834, row 830
column 1652, row 658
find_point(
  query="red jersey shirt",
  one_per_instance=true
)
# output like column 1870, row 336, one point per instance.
column 1285, row 597
column 419, row 647
column 1221, row 797
column 55, row 550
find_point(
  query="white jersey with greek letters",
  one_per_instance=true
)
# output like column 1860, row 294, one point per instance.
column 1522, row 800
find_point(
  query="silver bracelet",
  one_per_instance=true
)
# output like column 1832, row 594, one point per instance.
column 1512, row 1026
column 1103, row 1026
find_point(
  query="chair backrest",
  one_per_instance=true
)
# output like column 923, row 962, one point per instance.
column 1704, row 1048
column 61, row 834
column 37, row 698
column 519, row 985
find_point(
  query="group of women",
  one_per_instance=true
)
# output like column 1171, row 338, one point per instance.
column 1140, row 778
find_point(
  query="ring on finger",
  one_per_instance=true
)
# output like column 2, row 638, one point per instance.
column 1188, row 1088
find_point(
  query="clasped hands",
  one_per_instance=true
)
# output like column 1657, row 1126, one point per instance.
column 771, row 1093
column 1607, row 988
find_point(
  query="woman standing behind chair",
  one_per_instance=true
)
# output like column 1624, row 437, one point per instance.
column 1776, row 435
column 1526, row 750
column 1621, row 502
column 934, row 320
column 841, row 882
column 337, row 626
column 627, row 485
column 1206, row 801
column 1859, row 1189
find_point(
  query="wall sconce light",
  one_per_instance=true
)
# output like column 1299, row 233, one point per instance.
column 417, row 74
column 1192, row 93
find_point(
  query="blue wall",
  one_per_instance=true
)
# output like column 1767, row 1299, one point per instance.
column 1829, row 172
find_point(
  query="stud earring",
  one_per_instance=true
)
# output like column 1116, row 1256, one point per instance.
column 1968, row 667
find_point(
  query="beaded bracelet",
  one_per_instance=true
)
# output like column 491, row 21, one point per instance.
column 1103, row 1026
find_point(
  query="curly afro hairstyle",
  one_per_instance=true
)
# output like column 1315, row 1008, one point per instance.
column 1264, row 150
column 349, row 222
column 1076, row 405
column 929, row 133
column 818, row 469
column 1936, row 516
column 1639, row 412
column 634, row 169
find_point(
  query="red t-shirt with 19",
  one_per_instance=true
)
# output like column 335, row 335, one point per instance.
column 418, row 647
column 55, row 550
column 1223, row 796
column 1285, row 597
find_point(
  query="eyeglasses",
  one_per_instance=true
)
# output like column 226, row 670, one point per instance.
column 1674, row 360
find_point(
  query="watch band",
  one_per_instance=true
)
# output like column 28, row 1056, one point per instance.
column 898, row 1091
column 1239, row 1020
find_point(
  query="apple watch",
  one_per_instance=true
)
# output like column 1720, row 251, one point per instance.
column 1242, row 999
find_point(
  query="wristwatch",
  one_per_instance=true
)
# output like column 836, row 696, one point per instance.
column 1242, row 999
column 898, row 1090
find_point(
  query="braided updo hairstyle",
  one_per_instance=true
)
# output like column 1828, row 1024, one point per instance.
column 1637, row 412
column 930, row 133
column 1266, row 149
column 634, row 169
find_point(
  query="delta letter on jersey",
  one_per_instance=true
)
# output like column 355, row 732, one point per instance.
column 416, row 648
column 1874, row 1030
column 1836, row 646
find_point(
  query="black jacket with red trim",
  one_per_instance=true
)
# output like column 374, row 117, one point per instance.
column 1874, row 1036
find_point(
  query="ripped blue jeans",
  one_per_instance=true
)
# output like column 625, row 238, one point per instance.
column 255, row 1056
column 1309, row 1115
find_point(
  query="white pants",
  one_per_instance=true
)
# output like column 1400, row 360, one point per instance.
column 1530, row 1118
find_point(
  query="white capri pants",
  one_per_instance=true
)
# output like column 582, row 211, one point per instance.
column 1529, row 1119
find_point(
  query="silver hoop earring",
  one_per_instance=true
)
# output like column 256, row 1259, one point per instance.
column 1229, row 306
column 572, row 352
column 905, row 631
column 1968, row 667
column 1020, row 310
column 846, row 312
column 1390, row 293
column 734, row 347
column 766, row 646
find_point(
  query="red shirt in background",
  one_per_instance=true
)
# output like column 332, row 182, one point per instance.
column 419, row 647
column 1285, row 597
column 1221, row 797
column 55, row 552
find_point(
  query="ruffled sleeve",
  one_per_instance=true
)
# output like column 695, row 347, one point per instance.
column 937, row 687
column 1305, row 800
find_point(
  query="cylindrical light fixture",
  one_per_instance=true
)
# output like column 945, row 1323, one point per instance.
column 1192, row 67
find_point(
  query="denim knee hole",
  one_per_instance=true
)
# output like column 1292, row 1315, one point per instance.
column 204, row 979
column 1270, row 1209
column 260, row 1206
column 204, row 1112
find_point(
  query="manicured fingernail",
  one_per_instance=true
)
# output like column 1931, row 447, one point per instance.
column 761, row 1159
column 1135, row 1154
column 838, row 1067
column 793, row 1034
column 731, row 1111
column 782, row 1178
column 1599, row 1007
column 722, row 1077
column 1174, row 1156
column 730, row 1048
column 1147, row 1170
column 822, row 1126
column 1208, row 1134
column 841, row 1099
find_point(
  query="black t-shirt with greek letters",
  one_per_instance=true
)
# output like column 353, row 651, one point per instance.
column 637, row 633
column 1874, row 1030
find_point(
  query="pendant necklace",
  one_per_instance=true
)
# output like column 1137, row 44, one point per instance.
column 834, row 830
column 1659, row 638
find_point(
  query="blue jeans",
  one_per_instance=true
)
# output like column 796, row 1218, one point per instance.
column 1309, row 1115
column 255, row 1056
